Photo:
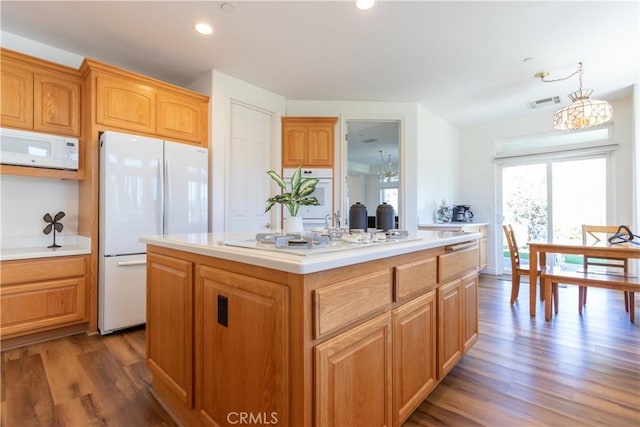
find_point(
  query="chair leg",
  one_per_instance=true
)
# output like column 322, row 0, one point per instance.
column 584, row 296
column 554, row 290
column 632, row 309
column 581, row 294
column 626, row 301
column 541, row 290
column 515, row 287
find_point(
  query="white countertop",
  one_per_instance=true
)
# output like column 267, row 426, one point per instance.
column 13, row 247
column 452, row 224
column 213, row 245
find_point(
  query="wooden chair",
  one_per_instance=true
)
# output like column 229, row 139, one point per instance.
column 597, row 233
column 516, row 270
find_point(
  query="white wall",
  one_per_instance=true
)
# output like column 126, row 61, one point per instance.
column 478, row 172
column 438, row 154
column 25, row 200
column 226, row 89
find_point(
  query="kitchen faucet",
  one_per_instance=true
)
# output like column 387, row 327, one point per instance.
column 336, row 219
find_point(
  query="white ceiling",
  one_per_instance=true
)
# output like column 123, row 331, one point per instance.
column 461, row 60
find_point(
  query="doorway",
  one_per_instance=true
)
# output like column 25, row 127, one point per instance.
column 551, row 199
column 373, row 164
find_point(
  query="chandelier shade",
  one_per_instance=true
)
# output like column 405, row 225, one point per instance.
column 583, row 111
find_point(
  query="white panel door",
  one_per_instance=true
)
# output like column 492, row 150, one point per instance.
column 185, row 199
column 130, row 192
column 250, row 157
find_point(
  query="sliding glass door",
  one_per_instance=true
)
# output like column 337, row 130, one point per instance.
column 552, row 198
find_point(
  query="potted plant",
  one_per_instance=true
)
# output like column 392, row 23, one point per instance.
column 294, row 195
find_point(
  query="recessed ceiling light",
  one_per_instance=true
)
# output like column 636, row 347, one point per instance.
column 204, row 28
column 226, row 7
column 364, row 4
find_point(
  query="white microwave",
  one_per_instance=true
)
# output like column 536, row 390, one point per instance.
column 23, row 148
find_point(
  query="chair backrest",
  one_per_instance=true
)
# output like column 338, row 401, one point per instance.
column 599, row 233
column 513, row 246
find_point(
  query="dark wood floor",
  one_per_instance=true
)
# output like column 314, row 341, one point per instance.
column 573, row 371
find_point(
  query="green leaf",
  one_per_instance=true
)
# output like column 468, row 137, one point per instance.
column 274, row 175
column 295, row 182
column 307, row 186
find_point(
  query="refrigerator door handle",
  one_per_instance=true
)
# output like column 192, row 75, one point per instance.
column 160, row 222
column 130, row 263
column 167, row 194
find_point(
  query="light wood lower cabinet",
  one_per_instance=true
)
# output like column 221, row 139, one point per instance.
column 353, row 376
column 38, row 295
column 357, row 345
column 414, row 354
column 170, row 325
column 457, row 320
column 242, row 352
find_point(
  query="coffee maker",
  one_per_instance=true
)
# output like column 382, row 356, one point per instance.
column 462, row 213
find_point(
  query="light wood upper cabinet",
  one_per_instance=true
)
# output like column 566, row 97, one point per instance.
column 308, row 141
column 181, row 117
column 17, row 95
column 125, row 104
column 140, row 104
column 57, row 104
column 38, row 95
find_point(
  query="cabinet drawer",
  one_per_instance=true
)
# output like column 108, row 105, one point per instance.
column 30, row 270
column 414, row 277
column 461, row 258
column 41, row 305
column 341, row 303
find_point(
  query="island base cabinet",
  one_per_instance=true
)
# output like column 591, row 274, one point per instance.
column 169, row 325
column 450, row 345
column 353, row 376
column 414, row 354
column 241, row 349
column 470, row 310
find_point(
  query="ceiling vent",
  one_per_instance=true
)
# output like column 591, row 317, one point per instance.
column 539, row 103
column 369, row 140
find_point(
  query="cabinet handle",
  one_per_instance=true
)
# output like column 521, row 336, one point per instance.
column 460, row 246
column 130, row 263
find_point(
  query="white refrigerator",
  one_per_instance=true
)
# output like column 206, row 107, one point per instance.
column 147, row 186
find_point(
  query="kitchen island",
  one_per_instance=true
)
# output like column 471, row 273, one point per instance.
column 353, row 335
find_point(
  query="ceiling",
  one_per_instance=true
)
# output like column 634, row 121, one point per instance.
column 462, row 60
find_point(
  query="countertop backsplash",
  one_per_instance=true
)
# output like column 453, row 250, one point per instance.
column 25, row 201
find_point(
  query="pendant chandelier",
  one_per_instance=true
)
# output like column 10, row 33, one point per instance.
column 388, row 172
column 583, row 111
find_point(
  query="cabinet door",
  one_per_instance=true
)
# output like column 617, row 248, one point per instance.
column 450, row 327
column 353, row 376
column 39, row 306
column 470, row 310
column 414, row 354
column 241, row 348
column 320, row 146
column 170, row 324
column 17, row 96
column 57, row 102
column 124, row 104
column 181, row 118
column 294, row 142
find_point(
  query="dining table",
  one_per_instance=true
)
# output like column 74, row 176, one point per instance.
column 539, row 249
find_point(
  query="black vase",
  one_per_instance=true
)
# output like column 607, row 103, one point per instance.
column 358, row 217
column 385, row 219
